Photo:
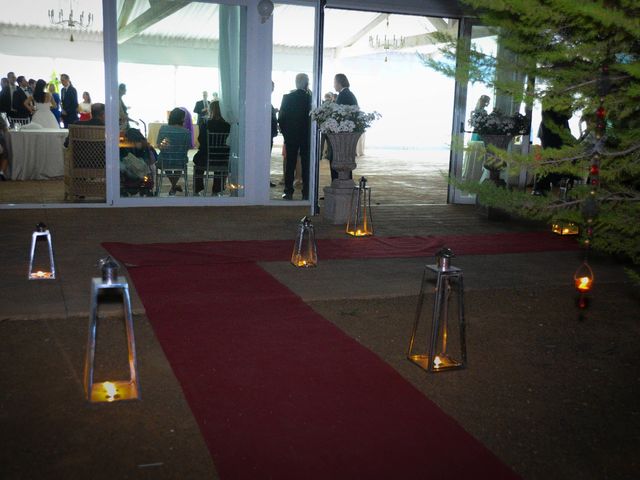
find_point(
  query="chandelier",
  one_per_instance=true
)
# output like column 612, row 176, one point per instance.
column 387, row 42
column 70, row 21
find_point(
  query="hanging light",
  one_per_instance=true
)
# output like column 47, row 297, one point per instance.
column 305, row 249
column 387, row 41
column 112, row 390
column 444, row 347
column 360, row 223
column 69, row 21
column 42, row 273
column 583, row 278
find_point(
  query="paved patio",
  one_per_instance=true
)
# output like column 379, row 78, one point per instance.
column 554, row 396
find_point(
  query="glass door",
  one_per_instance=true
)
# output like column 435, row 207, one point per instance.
column 467, row 152
column 181, row 102
column 476, row 99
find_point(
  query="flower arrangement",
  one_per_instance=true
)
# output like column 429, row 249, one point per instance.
column 497, row 123
column 334, row 118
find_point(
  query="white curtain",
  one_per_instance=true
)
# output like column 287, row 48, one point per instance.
column 229, row 63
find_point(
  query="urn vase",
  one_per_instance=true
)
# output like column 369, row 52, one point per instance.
column 344, row 156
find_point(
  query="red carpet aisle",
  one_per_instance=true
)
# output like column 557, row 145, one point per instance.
column 278, row 391
column 199, row 253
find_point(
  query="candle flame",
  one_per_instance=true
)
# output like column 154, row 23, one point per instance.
column 583, row 284
column 110, row 390
column 437, row 362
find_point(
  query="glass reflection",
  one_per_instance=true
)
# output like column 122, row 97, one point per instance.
column 179, row 91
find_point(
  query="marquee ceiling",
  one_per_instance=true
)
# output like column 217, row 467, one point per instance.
column 185, row 21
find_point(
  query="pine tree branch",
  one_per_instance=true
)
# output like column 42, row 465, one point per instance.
column 622, row 152
column 591, row 82
column 596, row 148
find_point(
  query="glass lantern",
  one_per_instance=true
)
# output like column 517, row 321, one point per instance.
column 441, row 344
column 112, row 390
column 360, row 223
column 37, row 271
column 565, row 228
column 305, row 249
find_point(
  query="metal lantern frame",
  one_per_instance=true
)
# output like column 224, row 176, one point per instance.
column 360, row 222
column 305, row 248
column 433, row 357
column 110, row 391
column 41, row 232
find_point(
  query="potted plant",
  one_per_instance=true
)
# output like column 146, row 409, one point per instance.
column 497, row 129
column 343, row 125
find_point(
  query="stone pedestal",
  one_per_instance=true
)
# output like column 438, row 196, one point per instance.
column 337, row 204
column 337, row 197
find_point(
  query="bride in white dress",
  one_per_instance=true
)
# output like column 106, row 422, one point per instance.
column 43, row 116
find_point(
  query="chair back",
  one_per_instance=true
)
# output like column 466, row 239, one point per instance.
column 218, row 151
column 13, row 121
column 85, row 161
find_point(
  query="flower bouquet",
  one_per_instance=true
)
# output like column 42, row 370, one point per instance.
column 497, row 123
column 334, row 118
column 497, row 129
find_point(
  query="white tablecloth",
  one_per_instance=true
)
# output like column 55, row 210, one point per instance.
column 37, row 154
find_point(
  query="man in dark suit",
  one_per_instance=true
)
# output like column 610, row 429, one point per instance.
column 20, row 105
column 345, row 97
column 69, row 100
column 202, row 109
column 295, row 125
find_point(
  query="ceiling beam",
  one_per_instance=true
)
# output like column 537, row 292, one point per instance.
column 364, row 30
column 438, row 23
column 125, row 13
column 159, row 10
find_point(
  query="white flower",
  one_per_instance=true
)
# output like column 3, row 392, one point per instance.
column 334, row 118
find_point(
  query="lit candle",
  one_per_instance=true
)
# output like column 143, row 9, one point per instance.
column 583, row 284
column 437, row 362
column 110, row 390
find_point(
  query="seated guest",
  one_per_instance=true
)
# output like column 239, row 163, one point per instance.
column 220, row 156
column 174, row 142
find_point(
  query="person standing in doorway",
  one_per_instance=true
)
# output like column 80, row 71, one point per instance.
column 345, row 96
column 274, row 129
column 69, row 100
column 295, row 125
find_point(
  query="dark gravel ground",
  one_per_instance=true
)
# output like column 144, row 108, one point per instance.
column 554, row 396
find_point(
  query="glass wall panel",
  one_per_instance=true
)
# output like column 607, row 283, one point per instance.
column 293, row 43
column 36, row 159
column 403, row 154
column 181, row 99
column 479, row 98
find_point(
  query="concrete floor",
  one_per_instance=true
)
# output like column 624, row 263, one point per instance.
column 552, row 395
column 397, row 177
